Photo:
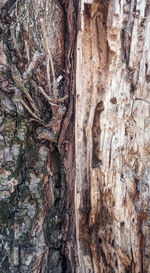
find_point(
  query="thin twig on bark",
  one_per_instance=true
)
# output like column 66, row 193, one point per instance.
column 48, row 76
column 15, row 42
column 55, row 91
column 30, row 111
column 19, row 82
column 52, row 101
column 27, row 74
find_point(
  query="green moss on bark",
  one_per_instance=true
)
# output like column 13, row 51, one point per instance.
column 4, row 212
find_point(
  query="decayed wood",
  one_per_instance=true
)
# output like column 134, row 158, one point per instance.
column 95, row 213
column 112, row 137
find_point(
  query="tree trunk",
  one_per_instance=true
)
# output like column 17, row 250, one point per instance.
column 74, row 136
column 113, row 137
column 37, row 136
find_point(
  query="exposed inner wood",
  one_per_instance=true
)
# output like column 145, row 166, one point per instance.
column 75, row 156
column 112, row 138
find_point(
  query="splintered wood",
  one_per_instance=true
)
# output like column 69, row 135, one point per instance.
column 112, row 137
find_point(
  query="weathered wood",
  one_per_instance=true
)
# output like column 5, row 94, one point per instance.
column 77, row 200
column 112, row 137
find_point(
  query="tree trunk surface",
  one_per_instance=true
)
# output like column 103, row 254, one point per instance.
column 112, row 137
column 74, row 136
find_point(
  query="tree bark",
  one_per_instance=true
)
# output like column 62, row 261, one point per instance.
column 38, row 41
column 74, row 136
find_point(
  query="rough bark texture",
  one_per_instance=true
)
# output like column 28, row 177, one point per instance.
column 74, row 158
column 37, row 230
column 113, row 137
